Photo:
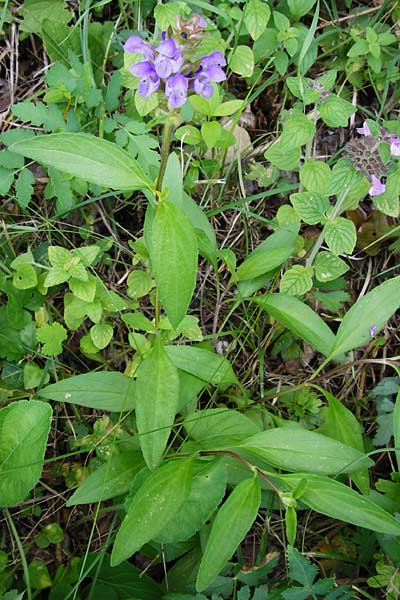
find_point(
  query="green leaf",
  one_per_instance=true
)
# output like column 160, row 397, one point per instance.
column 123, row 582
column 367, row 317
column 211, row 132
column 328, row 266
column 334, row 499
column 173, row 256
column 228, row 108
column 347, row 183
column 388, row 202
column 297, row 131
column 139, row 284
column 396, row 428
column 102, row 390
column 241, row 61
column 35, row 11
column 335, row 112
column 24, row 427
column 6, row 180
column 25, row 277
column 101, row 335
column 296, row 449
column 256, row 17
column 111, row 479
column 24, row 188
column 229, row 528
column 84, row 290
column 271, row 253
column 286, row 159
column 167, row 488
column 340, row 235
column 310, row 206
column 208, row 366
column 208, row 488
column 315, row 175
column 300, row 319
column 87, row 157
column 297, row 280
column 213, row 422
column 299, row 8
column 188, row 134
column 52, row 337
column 157, row 393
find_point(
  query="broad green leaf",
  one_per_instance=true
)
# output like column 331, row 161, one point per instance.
column 340, row 235
column 367, row 317
column 214, row 422
column 347, row 184
column 299, row 8
column 84, row 290
column 297, row 131
column 114, row 478
column 208, row 366
column 229, row 528
column 396, row 428
column 52, row 337
column 228, row 108
column 297, row 280
column 315, row 175
column 286, row 159
column 35, row 11
column 155, row 503
column 101, row 335
column 87, row 157
column 297, row 449
column 24, row 427
column 270, row 254
column 300, row 319
column 256, row 17
column 121, row 582
column 211, row 133
column 25, row 277
column 157, row 395
column 208, row 488
column 102, row 390
column 188, row 134
column 335, row 112
column 328, row 266
column 241, row 61
column 173, row 256
column 340, row 424
column 24, row 188
column 334, row 499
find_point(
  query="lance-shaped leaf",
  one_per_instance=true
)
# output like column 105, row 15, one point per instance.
column 156, row 502
column 230, row 526
column 86, row 156
column 24, row 427
column 157, row 394
column 208, row 366
column 173, row 254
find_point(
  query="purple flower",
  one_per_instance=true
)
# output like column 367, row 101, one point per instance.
column 395, row 146
column 149, row 80
column 135, row 44
column 364, row 130
column 209, row 71
column 169, row 59
column 372, row 330
column 176, row 88
column 377, row 186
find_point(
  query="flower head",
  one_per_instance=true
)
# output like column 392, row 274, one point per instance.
column 209, row 71
column 135, row 44
column 176, row 88
column 169, row 58
column 149, row 80
column 377, row 186
column 364, row 130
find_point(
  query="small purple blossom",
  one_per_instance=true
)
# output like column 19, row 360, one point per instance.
column 364, row 130
column 135, row 44
column 176, row 88
column 209, row 71
column 372, row 330
column 395, row 146
column 169, row 58
column 149, row 80
column 377, row 186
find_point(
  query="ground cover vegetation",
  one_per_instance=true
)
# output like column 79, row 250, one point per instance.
column 199, row 279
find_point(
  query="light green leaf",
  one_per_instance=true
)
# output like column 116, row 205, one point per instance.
column 168, row 487
column 340, row 235
column 87, row 157
column 229, row 528
column 114, row 478
column 367, row 317
column 24, row 427
column 396, row 428
column 208, row 366
column 24, row 187
column 228, row 108
column 336, row 500
column 157, row 394
column 214, row 422
column 84, row 290
column 102, row 390
column 35, row 11
column 241, row 61
column 101, row 335
column 188, row 134
column 286, row 159
column 256, row 17
column 297, row 280
column 211, row 132
column 297, row 131
column 347, row 184
column 52, row 337
column 299, row 8
column 300, row 319
column 139, row 284
column 174, row 260
column 296, row 449
column 315, row 175
column 335, row 112
column 270, row 254
column 25, row 277
column 310, row 206
column 328, row 266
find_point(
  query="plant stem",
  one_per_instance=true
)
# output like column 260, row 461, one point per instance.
column 166, row 143
column 21, row 552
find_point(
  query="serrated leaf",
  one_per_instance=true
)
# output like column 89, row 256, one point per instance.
column 157, row 390
column 310, row 206
column 173, row 256
column 230, row 526
column 335, row 112
column 168, row 487
column 52, row 337
column 297, row 280
column 328, row 266
column 286, row 159
column 241, row 61
column 315, row 175
column 101, row 335
column 256, row 17
column 24, row 188
column 35, row 11
column 297, row 131
column 340, row 235
column 24, row 427
column 6, row 180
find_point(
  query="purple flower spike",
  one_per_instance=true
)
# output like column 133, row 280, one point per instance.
column 204, row 77
column 169, row 59
column 377, row 186
column 364, row 130
column 176, row 88
column 215, row 58
column 135, row 44
column 149, row 80
column 395, row 146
